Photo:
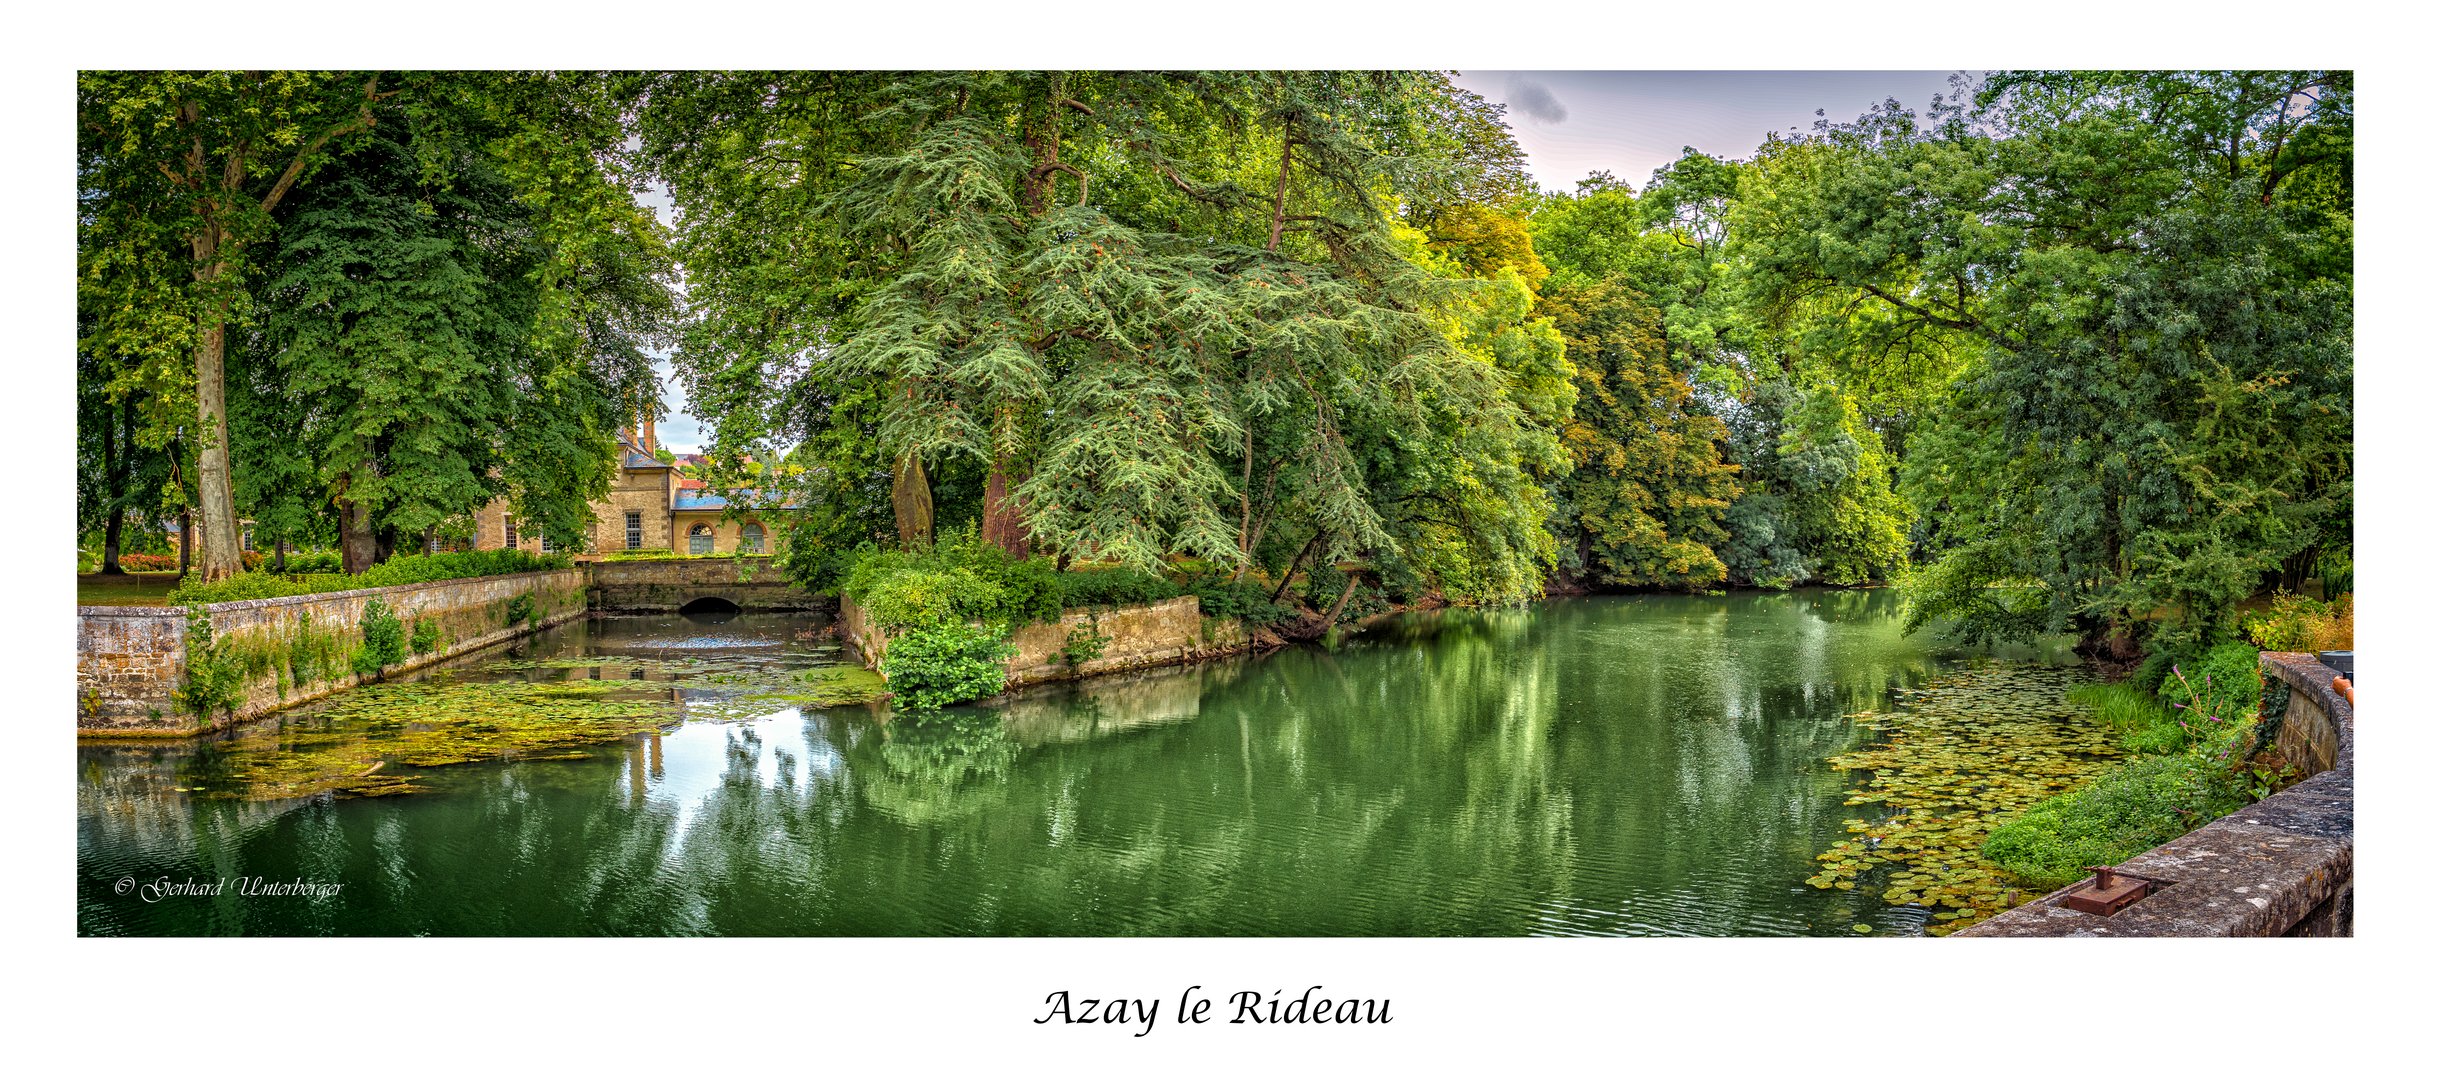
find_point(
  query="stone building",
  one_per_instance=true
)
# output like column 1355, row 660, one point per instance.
column 651, row 507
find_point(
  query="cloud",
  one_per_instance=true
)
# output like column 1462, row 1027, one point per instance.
column 1530, row 97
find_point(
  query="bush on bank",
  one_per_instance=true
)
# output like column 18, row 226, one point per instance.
column 2192, row 739
column 412, row 569
column 952, row 603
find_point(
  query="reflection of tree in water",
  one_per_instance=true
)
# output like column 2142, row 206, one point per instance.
column 937, row 768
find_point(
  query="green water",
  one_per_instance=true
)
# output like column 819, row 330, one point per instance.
column 1604, row 766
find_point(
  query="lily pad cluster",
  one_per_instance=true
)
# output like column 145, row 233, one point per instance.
column 1951, row 760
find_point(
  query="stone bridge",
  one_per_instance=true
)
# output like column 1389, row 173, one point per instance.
column 697, row 585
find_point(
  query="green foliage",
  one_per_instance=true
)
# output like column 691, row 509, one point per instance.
column 2218, row 700
column 2301, row 624
column 215, row 676
column 1649, row 486
column 314, row 562
column 412, row 569
column 1242, row 600
column 1116, row 587
column 520, row 609
column 2143, row 723
column 2131, row 809
column 1165, row 312
column 957, row 578
column 1084, row 643
column 930, row 667
column 2150, row 367
column 426, row 638
column 315, row 655
column 384, row 640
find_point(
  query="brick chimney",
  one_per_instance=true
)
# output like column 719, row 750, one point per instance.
column 651, row 444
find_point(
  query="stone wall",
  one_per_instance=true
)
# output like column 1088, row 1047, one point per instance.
column 1139, row 636
column 2282, row 867
column 131, row 660
column 660, row 585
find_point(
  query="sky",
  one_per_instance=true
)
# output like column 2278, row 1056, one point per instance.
column 1571, row 123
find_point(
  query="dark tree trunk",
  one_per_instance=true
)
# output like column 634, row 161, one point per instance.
column 357, row 548
column 1353, row 578
column 279, row 556
column 910, row 495
column 186, row 541
column 1292, row 564
column 110, row 540
column 114, row 488
column 1003, row 514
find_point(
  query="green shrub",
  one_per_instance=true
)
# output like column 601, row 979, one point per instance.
column 1084, row 644
column 1113, row 588
column 384, row 640
column 215, row 678
column 411, row 569
column 1242, row 600
column 426, row 638
column 315, row 562
column 964, row 579
column 2301, row 624
column 520, row 609
column 934, row 666
column 2128, row 810
column 922, row 597
column 417, row 568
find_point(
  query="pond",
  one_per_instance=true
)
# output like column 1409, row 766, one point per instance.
column 1656, row 765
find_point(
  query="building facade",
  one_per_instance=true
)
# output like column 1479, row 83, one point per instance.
column 651, row 506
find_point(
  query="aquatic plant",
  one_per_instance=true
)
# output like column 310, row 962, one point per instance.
column 1958, row 756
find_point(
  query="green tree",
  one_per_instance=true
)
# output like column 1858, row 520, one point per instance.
column 178, row 175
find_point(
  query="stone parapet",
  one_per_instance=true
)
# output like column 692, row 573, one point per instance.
column 2282, row 867
column 131, row 661
column 663, row 585
column 1132, row 638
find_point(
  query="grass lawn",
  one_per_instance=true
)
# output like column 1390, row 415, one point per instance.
column 98, row 590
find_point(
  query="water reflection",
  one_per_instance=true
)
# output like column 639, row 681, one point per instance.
column 1646, row 765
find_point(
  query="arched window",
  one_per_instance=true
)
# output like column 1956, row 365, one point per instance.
column 698, row 540
column 749, row 540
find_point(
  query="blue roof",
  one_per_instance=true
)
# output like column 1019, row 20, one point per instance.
column 696, row 500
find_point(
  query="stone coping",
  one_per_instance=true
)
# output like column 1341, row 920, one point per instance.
column 216, row 608
column 2282, row 866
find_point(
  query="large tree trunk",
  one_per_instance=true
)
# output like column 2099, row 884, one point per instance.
column 110, row 540
column 279, row 556
column 114, row 467
column 214, row 493
column 910, row 494
column 1003, row 514
column 357, row 552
